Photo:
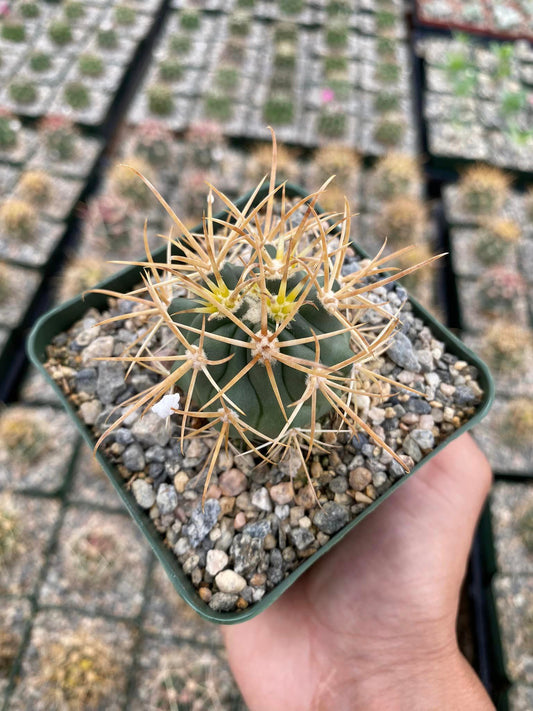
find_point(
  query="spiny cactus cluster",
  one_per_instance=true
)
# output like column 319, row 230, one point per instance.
column 484, row 189
column 267, row 327
column 394, row 175
column 18, row 219
column 94, row 553
column 79, row 672
column 403, row 221
column 60, row 137
column 35, row 186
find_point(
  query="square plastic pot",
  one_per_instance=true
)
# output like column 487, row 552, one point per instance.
column 64, row 316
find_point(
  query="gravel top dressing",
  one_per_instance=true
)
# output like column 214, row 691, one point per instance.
column 259, row 521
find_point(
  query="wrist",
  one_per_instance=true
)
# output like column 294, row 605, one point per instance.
column 441, row 681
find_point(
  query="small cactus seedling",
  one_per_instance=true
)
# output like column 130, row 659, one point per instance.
column 279, row 109
column 385, row 20
column 267, row 327
column 218, row 106
column 152, row 143
column 77, row 95
column 13, row 30
column 10, row 533
column 91, row 65
column 171, row 69
column 9, row 127
column 74, row 10
column 402, row 221
column 499, row 289
column 495, row 238
column 110, row 220
column 40, row 62
column 388, row 72
column 124, row 183
column 484, row 190
column 35, row 186
column 23, row 434
column 107, row 38
column 29, row 10
column 60, row 137
column 386, row 101
column 291, row 7
column 336, row 35
column 525, row 527
column 78, row 672
column 518, row 423
column 125, row 15
column 18, row 219
column 60, row 32
column 286, row 32
column 390, row 130
column 160, row 99
column 179, row 44
column 23, row 92
column 189, row 20
column 507, row 347
column 285, row 56
column 332, row 121
column 394, row 175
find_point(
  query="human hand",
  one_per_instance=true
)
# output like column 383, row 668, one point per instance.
column 372, row 624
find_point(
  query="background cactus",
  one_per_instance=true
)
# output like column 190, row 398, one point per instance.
column 518, row 422
column 9, row 126
column 125, row 184
column 402, row 221
column 35, row 186
column 9, row 530
column 395, row 174
column 78, row 672
column 23, row 434
column 267, row 328
column 495, row 238
column 499, row 288
column 18, row 219
column 506, row 347
column 59, row 137
column 483, row 189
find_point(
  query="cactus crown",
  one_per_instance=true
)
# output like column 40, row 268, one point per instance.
column 9, row 530
column 267, row 326
column 403, row 220
column 484, row 189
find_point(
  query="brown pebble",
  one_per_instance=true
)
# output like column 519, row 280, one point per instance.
column 282, row 493
column 213, row 492
column 329, row 437
column 227, row 504
column 269, row 542
column 316, row 469
column 359, row 478
column 258, row 579
column 205, row 594
column 180, row 482
column 232, row 482
column 241, row 603
column 240, row 521
column 306, row 497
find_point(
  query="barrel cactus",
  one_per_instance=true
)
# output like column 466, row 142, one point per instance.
column 270, row 344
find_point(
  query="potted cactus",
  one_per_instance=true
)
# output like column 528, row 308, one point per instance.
column 245, row 388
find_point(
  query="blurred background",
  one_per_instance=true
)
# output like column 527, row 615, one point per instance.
column 423, row 111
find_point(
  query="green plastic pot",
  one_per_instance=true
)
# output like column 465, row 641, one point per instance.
column 64, row 316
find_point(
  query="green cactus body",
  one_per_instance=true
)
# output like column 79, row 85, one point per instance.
column 253, row 393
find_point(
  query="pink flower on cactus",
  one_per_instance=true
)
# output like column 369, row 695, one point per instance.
column 327, row 96
column 4, row 9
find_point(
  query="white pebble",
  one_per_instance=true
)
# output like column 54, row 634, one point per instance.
column 167, row 405
column 216, row 561
column 228, row 581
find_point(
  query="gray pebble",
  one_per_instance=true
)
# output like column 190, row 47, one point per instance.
column 282, row 511
column 424, row 438
column 331, row 517
column 338, row 485
column 201, row 522
column 167, row 498
column 261, row 499
column 133, row 458
column 465, row 396
column 143, row 493
column 301, row 538
column 110, row 383
column 155, row 454
column 150, row 430
column 402, row 353
column 418, row 405
column 247, row 552
column 258, row 529
column 123, row 436
column 411, row 448
column 223, row 602
column 86, row 381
